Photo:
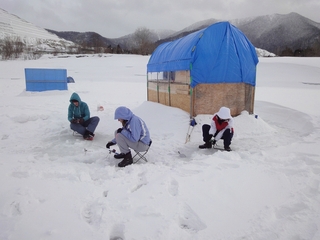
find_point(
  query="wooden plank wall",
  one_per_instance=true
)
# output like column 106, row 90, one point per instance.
column 207, row 98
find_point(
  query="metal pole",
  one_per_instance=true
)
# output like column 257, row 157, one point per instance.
column 169, row 89
column 147, row 86
column 158, row 86
column 191, row 93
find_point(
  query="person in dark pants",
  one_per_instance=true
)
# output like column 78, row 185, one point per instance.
column 79, row 118
column 221, row 128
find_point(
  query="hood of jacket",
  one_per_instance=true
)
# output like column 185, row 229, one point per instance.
column 76, row 97
column 123, row 113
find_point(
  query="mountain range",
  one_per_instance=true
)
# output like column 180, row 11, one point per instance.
column 282, row 34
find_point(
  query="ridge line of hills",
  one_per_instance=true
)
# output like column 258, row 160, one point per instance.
column 282, row 34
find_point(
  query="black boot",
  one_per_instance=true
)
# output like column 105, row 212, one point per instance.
column 206, row 145
column 88, row 135
column 119, row 155
column 126, row 161
column 227, row 148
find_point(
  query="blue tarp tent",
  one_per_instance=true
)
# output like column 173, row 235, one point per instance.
column 41, row 79
column 220, row 53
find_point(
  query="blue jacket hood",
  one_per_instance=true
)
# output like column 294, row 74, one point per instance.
column 76, row 97
column 123, row 113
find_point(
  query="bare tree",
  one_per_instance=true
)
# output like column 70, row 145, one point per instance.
column 18, row 46
column 7, row 48
column 119, row 49
column 142, row 41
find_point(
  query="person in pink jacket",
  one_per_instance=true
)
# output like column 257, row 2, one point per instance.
column 221, row 127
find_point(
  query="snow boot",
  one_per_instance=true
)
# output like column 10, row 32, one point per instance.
column 119, row 155
column 126, row 161
column 206, row 145
column 227, row 149
column 88, row 135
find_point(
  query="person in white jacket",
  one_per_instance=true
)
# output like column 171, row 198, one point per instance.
column 221, row 127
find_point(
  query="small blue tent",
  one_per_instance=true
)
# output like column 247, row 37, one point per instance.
column 220, row 53
column 70, row 80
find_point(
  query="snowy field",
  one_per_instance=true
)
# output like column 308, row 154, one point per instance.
column 56, row 186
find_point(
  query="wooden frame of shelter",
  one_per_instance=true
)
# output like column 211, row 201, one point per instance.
column 204, row 98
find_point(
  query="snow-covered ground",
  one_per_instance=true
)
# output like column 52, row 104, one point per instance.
column 55, row 185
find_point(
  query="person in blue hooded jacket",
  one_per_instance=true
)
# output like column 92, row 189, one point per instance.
column 79, row 117
column 133, row 134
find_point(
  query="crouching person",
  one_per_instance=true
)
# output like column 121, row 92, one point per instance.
column 133, row 134
column 221, row 128
column 79, row 117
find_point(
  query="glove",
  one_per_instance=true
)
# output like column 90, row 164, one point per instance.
column 214, row 142
column 109, row 144
column 119, row 130
column 81, row 120
column 74, row 120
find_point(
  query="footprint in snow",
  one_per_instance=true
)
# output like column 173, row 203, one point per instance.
column 173, row 187
column 4, row 137
column 189, row 220
column 93, row 213
column 117, row 232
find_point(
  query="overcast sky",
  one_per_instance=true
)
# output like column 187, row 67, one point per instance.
column 116, row 18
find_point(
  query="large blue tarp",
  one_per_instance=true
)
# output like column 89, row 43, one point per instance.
column 40, row 79
column 220, row 53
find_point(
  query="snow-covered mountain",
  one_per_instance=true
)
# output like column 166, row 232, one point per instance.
column 282, row 34
column 195, row 27
column 278, row 33
column 163, row 33
column 11, row 26
column 264, row 53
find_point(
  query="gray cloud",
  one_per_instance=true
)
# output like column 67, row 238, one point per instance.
column 113, row 19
